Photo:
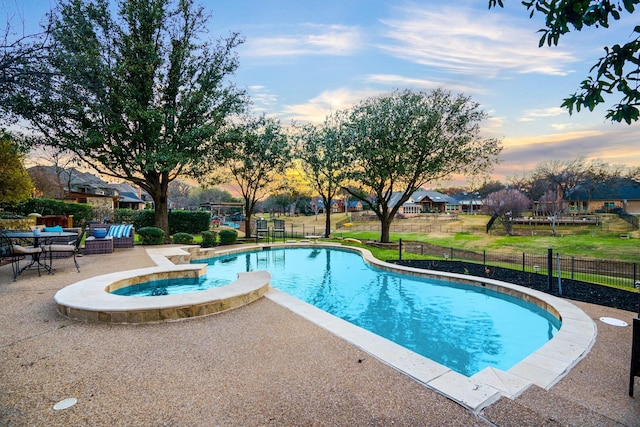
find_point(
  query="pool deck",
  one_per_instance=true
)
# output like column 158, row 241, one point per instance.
column 261, row 364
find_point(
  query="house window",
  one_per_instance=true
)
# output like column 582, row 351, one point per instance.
column 609, row 204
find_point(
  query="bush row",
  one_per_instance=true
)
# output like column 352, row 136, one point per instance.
column 191, row 222
column 155, row 236
column 81, row 212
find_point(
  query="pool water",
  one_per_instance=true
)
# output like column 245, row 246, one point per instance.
column 463, row 327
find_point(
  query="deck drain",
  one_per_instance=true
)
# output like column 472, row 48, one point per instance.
column 64, row 404
column 613, row 321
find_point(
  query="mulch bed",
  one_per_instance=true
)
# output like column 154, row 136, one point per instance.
column 571, row 289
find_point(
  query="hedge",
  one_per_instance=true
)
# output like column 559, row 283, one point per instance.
column 191, row 222
column 81, row 212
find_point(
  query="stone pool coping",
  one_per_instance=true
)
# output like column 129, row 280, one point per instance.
column 90, row 301
column 544, row 368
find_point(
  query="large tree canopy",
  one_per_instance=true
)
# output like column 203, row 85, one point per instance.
column 617, row 71
column 322, row 150
column 136, row 94
column 260, row 152
column 15, row 183
column 400, row 142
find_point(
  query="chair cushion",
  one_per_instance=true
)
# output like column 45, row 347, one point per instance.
column 25, row 250
column 56, row 229
column 59, row 248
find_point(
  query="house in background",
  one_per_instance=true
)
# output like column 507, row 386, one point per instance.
column 355, row 206
column 424, row 201
column 129, row 197
column 618, row 195
column 76, row 186
column 468, row 202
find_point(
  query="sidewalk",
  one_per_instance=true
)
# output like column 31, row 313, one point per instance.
column 257, row 365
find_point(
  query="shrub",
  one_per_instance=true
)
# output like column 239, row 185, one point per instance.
column 228, row 237
column 144, row 218
column 124, row 216
column 192, row 222
column 209, row 239
column 81, row 212
column 151, row 235
column 183, row 238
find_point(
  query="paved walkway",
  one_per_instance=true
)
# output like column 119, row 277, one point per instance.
column 258, row 365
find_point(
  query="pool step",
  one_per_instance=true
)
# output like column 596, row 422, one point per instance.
column 540, row 407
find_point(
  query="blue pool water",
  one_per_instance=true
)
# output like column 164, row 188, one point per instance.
column 465, row 328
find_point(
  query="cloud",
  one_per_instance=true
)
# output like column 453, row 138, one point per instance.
column 334, row 40
column 456, row 40
column 317, row 108
column 532, row 115
column 263, row 99
column 398, row 81
column 613, row 146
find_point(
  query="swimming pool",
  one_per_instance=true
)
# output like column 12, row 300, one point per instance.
column 466, row 328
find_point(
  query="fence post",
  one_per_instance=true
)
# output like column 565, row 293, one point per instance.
column 523, row 262
column 549, row 269
column 400, row 249
column 484, row 257
column 573, row 266
column 559, row 274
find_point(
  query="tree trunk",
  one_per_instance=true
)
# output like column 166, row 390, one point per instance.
column 327, row 223
column 162, row 215
column 248, row 212
column 247, row 224
column 159, row 187
column 385, row 225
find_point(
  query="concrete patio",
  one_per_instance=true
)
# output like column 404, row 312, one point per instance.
column 257, row 365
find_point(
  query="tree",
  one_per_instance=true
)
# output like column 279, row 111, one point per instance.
column 178, row 192
column 21, row 60
column 504, row 205
column 399, row 142
column 260, row 151
column 322, row 150
column 618, row 70
column 15, row 183
column 552, row 206
column 54, row 173
column 138, row 96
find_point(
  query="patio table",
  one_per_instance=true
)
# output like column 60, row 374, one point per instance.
column 38, row 239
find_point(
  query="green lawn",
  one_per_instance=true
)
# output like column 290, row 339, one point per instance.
column 588, row 243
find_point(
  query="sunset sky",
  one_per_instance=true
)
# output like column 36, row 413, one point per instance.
column 302, row 59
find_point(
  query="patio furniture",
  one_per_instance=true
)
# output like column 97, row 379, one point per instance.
column 262, row 229
column 94, row 246
column 278, row 228
column 15, row 253
column 71, row 248
column 122, row 234
column 65, row 239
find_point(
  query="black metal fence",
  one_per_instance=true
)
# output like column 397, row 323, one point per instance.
column 607, row 272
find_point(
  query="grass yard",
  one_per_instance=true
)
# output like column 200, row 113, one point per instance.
column 468, row 232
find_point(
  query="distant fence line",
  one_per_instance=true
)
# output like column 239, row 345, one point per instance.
column 616, row 273
column 607, row 272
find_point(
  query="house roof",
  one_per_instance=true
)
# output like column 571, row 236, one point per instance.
column 421, row 196
column 617, row 189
